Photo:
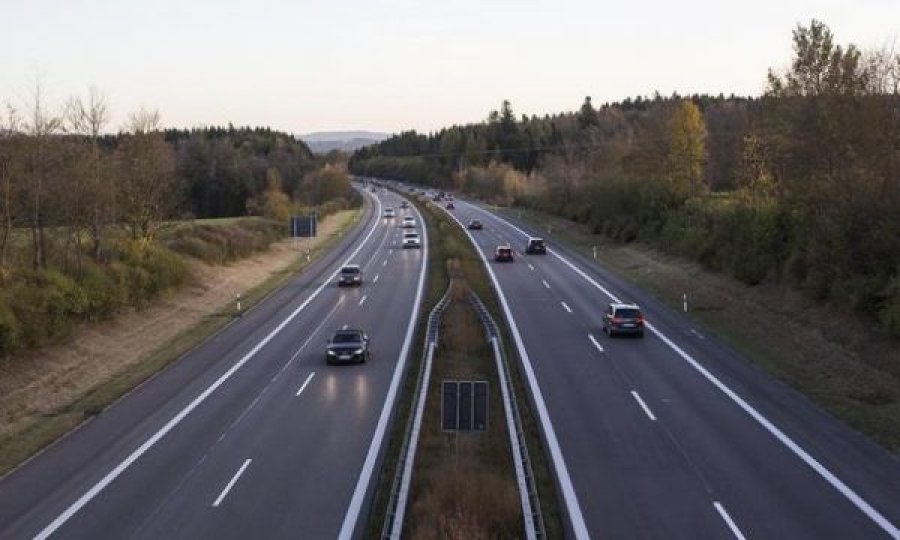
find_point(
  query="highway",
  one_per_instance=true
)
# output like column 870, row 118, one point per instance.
column 250, row 435
column 675, row 435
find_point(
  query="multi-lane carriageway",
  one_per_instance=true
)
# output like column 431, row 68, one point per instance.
column 674, row 435
column 251, row 435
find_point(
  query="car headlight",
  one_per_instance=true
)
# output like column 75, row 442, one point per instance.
column 332, row 353
column 358, row 351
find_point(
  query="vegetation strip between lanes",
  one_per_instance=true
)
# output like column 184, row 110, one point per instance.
column 573, row 508
column 137, row 453
column 448, row 241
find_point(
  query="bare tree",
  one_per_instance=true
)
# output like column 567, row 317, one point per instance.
column 89, row 117
column 143, row 121
column 42, row 125
column 147, row 183
column 9, row 139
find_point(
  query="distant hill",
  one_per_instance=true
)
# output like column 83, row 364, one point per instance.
column 323, row 142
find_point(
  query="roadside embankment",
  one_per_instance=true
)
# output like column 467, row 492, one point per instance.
column 45, row 392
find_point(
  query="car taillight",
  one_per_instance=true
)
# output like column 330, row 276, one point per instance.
column 617, row 320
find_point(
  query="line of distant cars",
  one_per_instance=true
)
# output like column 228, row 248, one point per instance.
column 618, row 318
column 351, row 345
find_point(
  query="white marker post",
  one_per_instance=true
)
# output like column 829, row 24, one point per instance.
column 684, row 301
column 595, row 253
column 238, row 301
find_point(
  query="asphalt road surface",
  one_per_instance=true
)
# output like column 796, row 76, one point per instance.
column 251, row 435
column 675, row 435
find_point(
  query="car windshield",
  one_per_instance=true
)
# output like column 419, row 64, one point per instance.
column 349, row 270
column 411, row 235
column 504, row 250
column 628, row 313
column 537, row 243
column 346, row 337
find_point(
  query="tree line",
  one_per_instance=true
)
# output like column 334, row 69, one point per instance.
column 82, row 209
column 800, row 185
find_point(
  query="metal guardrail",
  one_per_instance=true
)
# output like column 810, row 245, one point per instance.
column 393, row 520
column 531, row 504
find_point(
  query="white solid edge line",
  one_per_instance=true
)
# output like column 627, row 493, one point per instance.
column 159, row 434
column 826, row 474
column 363, row 299
column 566, row 307
column 570, row 499
column 365, row 476
column 643, row 405
column 231, row 484
column 730, row 522
column 524, row 501
column 306, row 383
column 595, row 342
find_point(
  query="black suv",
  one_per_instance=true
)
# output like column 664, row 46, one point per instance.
column 536, row 246
column 475, row 225
column 623, row 319
column 503, row 254
column 347, row 345
column 350, row 275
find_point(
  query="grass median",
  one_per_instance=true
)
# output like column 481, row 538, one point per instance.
column 451, row 254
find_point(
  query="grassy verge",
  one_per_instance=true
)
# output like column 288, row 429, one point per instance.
column 18, row 446
column 833, row 357
column 464, row 484
column 447, row 241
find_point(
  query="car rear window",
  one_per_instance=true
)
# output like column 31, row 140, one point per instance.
column 349, row 270
column 347, row 337
column 537, row 243
column 411, row 235
column 628, row 313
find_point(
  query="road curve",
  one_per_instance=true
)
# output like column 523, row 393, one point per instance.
column 251, row 434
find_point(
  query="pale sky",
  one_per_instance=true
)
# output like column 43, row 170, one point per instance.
column 389, row 65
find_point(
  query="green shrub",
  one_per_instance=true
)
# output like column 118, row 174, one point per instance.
column 10, row 330
column 890, row 313
column 40, row 310
column 197, row 248
column 105, row 293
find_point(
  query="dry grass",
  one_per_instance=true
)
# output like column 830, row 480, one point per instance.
column 463, row 483
column 38, row 389
column 839, row 360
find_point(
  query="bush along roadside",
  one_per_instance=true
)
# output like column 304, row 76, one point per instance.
column 17, row 445
column 453, row 256
column 39, row 307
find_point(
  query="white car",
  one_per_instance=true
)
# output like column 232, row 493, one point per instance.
column 409, row 222
column 411, row 240
column 390, row 212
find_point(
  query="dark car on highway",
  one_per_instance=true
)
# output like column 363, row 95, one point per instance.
column 536, row 246
column 503, row 254
column 623, row 319
column 450, row 206
column 350, row 275
column 475, row 225
column 347, row 345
